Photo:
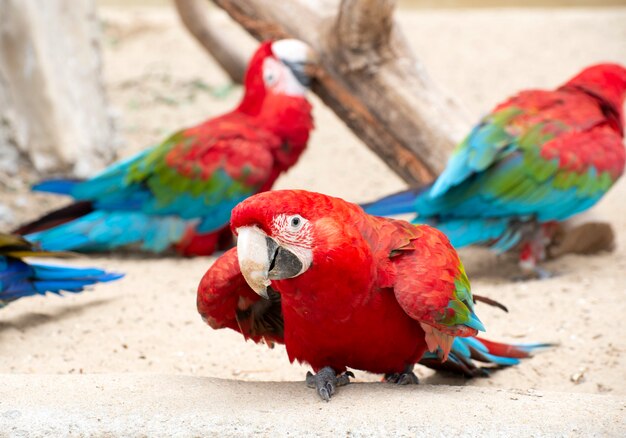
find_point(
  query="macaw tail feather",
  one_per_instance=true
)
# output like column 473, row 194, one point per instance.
column 495, row 232
column 467, row 350
column 102, row 230
column 58, row 186
column 41, row 279
column 56, row 217
column 398, row 203
column 498, row 233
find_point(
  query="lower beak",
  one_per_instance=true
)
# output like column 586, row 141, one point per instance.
column 301, row 72
column 262, row 259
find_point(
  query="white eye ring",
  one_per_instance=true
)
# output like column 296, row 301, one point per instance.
column 295, row 222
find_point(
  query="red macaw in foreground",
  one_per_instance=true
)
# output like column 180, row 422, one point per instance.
column 537, row 159
column 180, row 193
column 343, row 289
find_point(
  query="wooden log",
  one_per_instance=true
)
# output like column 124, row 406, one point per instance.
column 368, row 76
column 195, row 19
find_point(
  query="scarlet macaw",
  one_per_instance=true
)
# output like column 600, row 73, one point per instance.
column 181, row 192
column 343, row 289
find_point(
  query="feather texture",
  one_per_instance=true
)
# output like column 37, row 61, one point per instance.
column 539, row 157
column 180, row 193
column 19, row 278
column 377, row 295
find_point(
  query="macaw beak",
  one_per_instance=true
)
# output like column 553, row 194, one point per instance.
column 262, row 259
column 297, row 56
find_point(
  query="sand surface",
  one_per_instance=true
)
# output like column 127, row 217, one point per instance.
column 158, row 81
column 182, row 406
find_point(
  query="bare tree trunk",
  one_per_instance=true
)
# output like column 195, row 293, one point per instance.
column 368, row 76
column 53, row 111
column 195, row 19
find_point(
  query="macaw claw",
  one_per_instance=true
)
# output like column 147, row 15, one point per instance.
column 408, row 377
column 326, row 381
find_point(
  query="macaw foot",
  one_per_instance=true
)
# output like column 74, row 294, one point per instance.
column 407, row 377
column 532, row 253
column 326, row 381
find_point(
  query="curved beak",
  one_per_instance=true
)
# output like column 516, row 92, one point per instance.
column 296, row 55
column 262, row 259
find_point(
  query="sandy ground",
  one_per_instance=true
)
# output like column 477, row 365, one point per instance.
column 159, row 80
column 184, row 406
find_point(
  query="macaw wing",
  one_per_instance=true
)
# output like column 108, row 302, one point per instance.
column 565, row 176
column 488, row 141
column 194, row 174
column 523, row 123
column 226, row 300
column 431, row 287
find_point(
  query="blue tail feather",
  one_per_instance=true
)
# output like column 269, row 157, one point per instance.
column 461, row 232
column 467, row 350
column 59, row 186
column 464, row 232
column 398, row 203
column 106, row 230
column 19, row 279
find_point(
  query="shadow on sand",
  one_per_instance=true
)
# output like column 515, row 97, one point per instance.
column 31, row 320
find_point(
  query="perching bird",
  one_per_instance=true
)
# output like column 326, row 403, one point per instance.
column 343, row 289
column 538, row 158
column 180, row 193
column 19, row 278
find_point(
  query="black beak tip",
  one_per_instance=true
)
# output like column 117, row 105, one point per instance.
column 284, row 265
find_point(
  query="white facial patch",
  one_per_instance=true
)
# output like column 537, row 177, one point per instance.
column 294, row 233
column 280, row 79
column 291, row 50
column 293, row 230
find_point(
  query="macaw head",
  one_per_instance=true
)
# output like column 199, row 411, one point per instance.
column 607, row 81
column 283, row 233
column 277, row 69
column 275, row 86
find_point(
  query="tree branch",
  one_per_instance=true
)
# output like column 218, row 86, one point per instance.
column 368, row 76
column 364, row 27
column 195, row 19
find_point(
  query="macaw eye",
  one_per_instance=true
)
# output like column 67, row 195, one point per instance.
column 270, row 78
column 270, row 75
column 295, row 222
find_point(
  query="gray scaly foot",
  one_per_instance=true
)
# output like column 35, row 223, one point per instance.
column 326, row 381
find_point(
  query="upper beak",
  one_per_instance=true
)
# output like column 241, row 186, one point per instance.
column 262, row 259
column 298, row 56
